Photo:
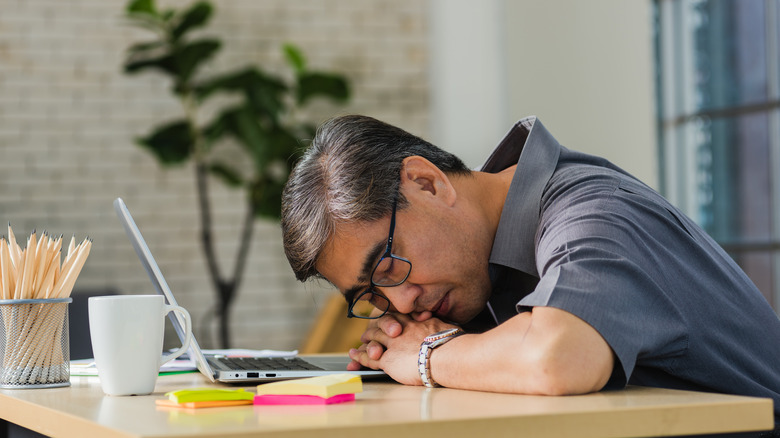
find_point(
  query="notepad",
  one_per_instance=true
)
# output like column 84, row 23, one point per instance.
column 274, row 399
column 202, row 404
column 208, row 394
column 322, row 386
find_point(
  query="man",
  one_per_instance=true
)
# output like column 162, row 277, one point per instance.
column 566, row 274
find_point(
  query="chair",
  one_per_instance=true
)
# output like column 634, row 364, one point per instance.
column 332, row 331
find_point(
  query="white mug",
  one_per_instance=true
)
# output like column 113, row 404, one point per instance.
column 127, row 339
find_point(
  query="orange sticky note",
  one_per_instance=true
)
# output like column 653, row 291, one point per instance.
column 202, row 404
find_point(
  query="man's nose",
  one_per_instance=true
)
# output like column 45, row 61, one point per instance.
column 403, row 297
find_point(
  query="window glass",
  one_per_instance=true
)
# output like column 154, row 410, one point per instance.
column 719, row 125
column 729, row 45
column 732, row 166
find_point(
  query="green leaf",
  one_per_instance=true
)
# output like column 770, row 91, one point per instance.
column 283, row 144
column 171, row 143
column 214, row 130
column 267, row 97
column 164, row 63
column 267, row 198
column 295, row 58
column 196, row 16
column 167, row 14
column 189, row 57
column 142, row 7
column 250, row 132
column 230, row 82
column 242, row 124
column 152, row 23
column 265, row 142
column 181, row 63
column 229, row 176
column 139, row 48
column 322, row 84
column 263, row 93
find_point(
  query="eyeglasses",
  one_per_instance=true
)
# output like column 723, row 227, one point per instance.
column 391, row 270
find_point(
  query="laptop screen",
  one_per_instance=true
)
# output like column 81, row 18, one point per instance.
column 139, row 244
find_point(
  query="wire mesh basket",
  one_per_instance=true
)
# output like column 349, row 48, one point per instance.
column 34, row 343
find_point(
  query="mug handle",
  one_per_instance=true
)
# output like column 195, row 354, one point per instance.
column 187, row 332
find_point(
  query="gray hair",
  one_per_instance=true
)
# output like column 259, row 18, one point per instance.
column 350, row 173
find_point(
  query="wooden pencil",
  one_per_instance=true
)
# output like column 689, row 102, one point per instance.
column 42, row 289
column 41, row 255
column 65, row 285
column 15, row 249
column 4, row 271
column 34, row 351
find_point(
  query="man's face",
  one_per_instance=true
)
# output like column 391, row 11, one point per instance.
column 449, row 254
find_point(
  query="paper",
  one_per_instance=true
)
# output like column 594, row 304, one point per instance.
column 208, row 394
column 202, row 404
column 87, row 367
column 273, row 399
column 322, row 386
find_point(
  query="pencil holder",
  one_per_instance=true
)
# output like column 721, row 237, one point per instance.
column 34, row 343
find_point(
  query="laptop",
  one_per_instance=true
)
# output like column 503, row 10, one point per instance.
column 224, row 369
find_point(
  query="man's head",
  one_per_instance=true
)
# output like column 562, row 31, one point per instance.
column 337, row 205
column 350, row 173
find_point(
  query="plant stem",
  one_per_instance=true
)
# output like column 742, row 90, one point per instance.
column 225, row 288
column 244, row 244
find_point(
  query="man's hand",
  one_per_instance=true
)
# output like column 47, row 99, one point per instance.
column 391, row 327
column 545, row 351
column 387, row 324
column 393, row 344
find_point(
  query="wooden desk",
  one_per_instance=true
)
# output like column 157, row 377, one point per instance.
column 386, row 409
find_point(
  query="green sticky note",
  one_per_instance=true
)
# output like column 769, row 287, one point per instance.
column 208, row 394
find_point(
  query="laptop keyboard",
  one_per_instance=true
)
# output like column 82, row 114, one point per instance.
column 268, row 363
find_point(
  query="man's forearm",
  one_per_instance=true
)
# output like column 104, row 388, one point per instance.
column 547, row 351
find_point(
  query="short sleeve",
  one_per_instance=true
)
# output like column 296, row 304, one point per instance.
column 599, row 260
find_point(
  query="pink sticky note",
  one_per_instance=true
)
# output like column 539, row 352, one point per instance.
column 278, row 399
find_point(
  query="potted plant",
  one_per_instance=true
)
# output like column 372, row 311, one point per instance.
column 260, row 118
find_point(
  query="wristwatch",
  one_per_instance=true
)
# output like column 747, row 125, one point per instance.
column 428, row 344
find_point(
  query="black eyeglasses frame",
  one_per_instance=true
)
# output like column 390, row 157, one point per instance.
column 384, row 302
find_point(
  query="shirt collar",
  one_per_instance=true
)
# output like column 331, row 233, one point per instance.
column 535, row 151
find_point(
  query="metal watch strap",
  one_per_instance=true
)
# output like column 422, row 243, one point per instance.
column 426, row 348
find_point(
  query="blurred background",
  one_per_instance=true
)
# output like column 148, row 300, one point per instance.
column 682, row 94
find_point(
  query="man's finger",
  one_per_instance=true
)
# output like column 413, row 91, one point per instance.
column 370, row 334
column 390, row 325
column 354, row 366
column 374, row 350
column 361, row 358
column 422, row 316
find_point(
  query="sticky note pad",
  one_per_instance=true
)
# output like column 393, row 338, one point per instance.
column 208, row 394
column 277, row 399
column 322, row 386
column 202, row 404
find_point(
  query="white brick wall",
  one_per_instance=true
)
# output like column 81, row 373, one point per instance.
column 68, row 117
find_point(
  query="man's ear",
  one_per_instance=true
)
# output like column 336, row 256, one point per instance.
column 421, row 177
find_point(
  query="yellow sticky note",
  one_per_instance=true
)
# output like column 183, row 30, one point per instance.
column 322, row 386
column 208, row 394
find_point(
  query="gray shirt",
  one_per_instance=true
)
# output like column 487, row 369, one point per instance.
column 579, row 234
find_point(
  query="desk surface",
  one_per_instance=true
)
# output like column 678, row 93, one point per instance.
column 385, row 409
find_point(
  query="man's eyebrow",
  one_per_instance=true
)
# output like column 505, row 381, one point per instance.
column 365, row 272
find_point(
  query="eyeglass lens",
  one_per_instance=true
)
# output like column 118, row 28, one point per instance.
column 365, row 304
column 391, row 271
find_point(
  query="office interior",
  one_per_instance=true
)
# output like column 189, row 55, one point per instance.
column 683, row 94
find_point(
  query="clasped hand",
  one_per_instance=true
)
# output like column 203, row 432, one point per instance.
column 392, row 343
